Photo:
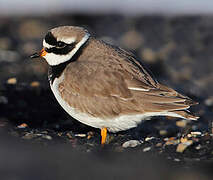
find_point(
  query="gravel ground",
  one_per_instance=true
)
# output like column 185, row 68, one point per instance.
column 38, row 135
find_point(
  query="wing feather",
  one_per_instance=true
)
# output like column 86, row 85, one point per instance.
column 103, row 92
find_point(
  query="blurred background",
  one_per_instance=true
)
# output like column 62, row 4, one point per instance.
column 173, row 38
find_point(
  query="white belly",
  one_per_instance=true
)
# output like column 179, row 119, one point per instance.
column 119, row 123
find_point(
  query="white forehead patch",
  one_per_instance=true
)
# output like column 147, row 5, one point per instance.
column 69, row 40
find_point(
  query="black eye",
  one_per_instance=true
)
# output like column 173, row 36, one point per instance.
column 61, row 44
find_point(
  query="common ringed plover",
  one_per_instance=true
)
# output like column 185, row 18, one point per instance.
column 104, row 86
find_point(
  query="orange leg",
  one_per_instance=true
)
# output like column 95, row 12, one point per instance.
column 103, row 135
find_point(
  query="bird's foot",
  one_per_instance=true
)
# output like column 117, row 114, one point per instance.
column 103, row 136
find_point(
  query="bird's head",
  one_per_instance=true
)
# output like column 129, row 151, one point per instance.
column 61, row 44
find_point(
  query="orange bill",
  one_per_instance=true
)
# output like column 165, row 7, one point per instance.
column 40, row 54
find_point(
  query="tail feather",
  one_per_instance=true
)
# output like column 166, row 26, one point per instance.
column 163, row 100
column 186, row 115
column 159, row 107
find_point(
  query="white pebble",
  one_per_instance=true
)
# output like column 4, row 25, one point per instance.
column 80, row 135
column 196, row 133
column 12, row 81
column 198, row 147
column 47, row 137
column 131, row 143
column 177, row 160
column 146, row 149
column 189, row 135
column 149, row 138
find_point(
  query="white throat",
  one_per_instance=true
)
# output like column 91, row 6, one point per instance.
column 56, row 59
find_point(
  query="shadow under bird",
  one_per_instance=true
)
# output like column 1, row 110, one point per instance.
column 104, row 86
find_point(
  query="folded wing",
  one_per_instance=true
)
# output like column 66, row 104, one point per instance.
column 101, row 91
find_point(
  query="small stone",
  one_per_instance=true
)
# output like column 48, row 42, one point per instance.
column 90, row 134
column 158, row 144
column 146, row 149
column 35, row 84
column 172, row 138
column 209, row 101
column 23, row 125
column 189, row 135
column 206, row 135
column 29, row 136
column 131, row 143
column 68, row 134
column 47, row 137
column 80, row 135
column 3, row 100
column 181, row 123
column 149, row 138
column 88, row 150
column 177, row 160
column 60, row 134
column 198, row 147
column 179, row 134
column 12, row 81
column 196, row 133
column 44, row 132
column 163, row 132
column 183, row 140
column 182, row 146
column 172, row 142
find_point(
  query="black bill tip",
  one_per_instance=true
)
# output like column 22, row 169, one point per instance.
column 35, row 55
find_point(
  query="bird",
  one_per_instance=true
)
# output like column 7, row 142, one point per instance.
column 105, row 86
